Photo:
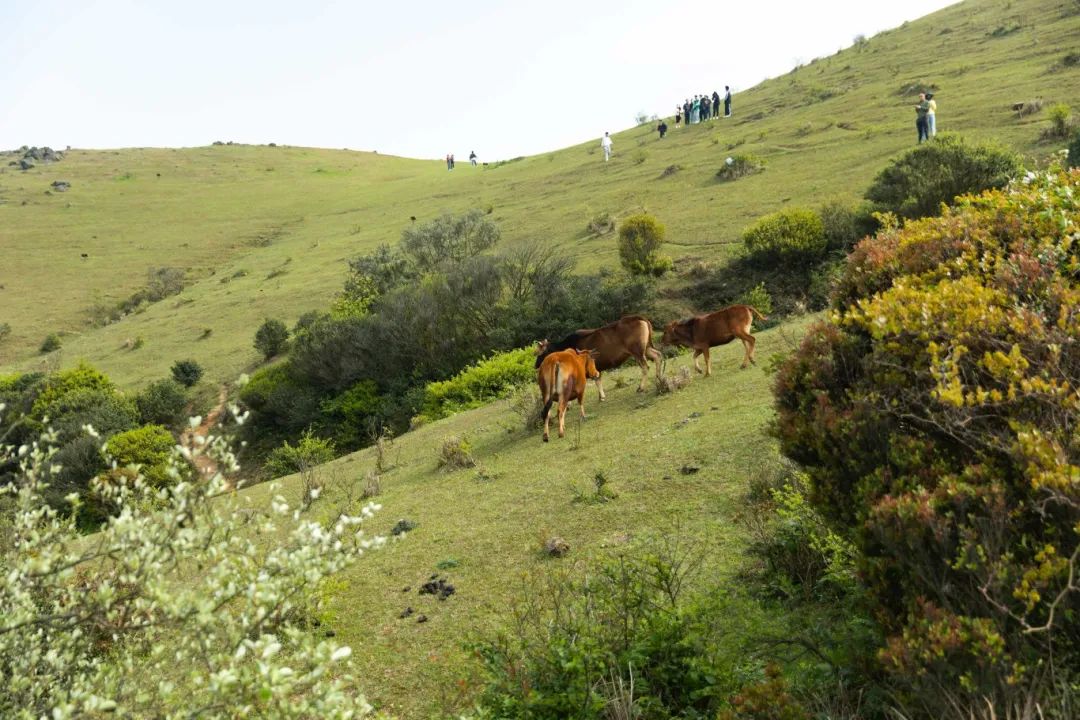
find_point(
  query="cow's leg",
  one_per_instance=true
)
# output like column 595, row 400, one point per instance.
column 644, row 365
column 658, row 359
column 697, row 354
column 581, row 405
column 547, row 424
column 600, row 387
column 562, row 415
column 708, row 362
column 748, row 348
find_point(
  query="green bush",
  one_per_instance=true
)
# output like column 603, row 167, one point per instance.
column 1074, row 150
column 479, row 384
column 578, row 637
column 186, row 372
column 281, row 402
column 50, row 343
column 148, row 446
column 918, row 182
column 352, row 412
column 935, row 412
column 271, row 338
column 738, row 166
column 448, row 240
column 308, row 452
column 795, row 235
column 162, row 402
column 1060, row 116
column 640, row 239
column 758, row 298
column 845, row 224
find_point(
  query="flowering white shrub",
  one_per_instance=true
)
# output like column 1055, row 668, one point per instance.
column 188, row 602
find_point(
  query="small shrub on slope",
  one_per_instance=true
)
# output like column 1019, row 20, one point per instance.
column 478, row 384
column 149, row 447
column 640, row 239
column 936, row 414
column 186, row 372
column 308, row 452
column 739, row 166
column 795, row 235
column 162, row 402
column 271, row 338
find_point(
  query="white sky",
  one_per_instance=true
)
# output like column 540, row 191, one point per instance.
column 410, row 77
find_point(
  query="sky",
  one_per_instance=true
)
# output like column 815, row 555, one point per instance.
column 419, row 78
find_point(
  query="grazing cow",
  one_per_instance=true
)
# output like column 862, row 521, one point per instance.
column 628, row 337
column 564, row 374
column 719, row 328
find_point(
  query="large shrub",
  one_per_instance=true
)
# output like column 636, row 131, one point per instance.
column 479, row 383
column 308, row 452
column 162, row 402
column 794, row 235
column 271, row 338
column 936, row 412
column 149, row 447
column 919, row 181
column 640, row 239
column 281, row 402
column 172, row 610
column 448, row 239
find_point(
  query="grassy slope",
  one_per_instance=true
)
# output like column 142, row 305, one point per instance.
column 493, row 518
column 211, row 209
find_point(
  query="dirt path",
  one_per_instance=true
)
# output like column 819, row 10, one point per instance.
column 205, row 464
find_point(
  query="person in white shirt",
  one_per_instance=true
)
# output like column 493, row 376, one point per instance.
column 605, row 143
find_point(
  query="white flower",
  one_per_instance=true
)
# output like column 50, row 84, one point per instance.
column 194, row 422
column 341, row 653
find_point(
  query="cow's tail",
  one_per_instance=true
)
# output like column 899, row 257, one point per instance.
column 651, row 351
column 758, row 314
column 550, row 384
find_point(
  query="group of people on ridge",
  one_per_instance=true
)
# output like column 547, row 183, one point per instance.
column 450, row 160
column 702, row 108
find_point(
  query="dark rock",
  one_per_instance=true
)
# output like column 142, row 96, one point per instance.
column 25, row 164
column 61, row 185
column 402, row 526
column 556, row 547
column 689, row 469
column 421, row 619
column 329, row 633
column 438, row 587
column 406, row 613
column 407, row 588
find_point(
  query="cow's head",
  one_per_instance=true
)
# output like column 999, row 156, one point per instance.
column 541, row 347
column 677, row 332
column 590, row 363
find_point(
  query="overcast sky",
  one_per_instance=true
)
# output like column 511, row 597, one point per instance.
column 416, row 78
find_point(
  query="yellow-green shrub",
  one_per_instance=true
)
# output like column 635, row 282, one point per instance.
column 148, row 446
column 478, row 384
column 792, row 235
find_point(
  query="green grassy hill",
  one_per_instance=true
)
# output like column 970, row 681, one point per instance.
column 675, row 462
column 264, row 231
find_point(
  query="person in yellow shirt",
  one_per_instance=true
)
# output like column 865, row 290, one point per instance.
column 931, row 115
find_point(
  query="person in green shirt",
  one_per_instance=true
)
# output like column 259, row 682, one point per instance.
column 921, row 124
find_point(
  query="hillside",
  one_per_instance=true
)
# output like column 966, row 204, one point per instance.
column 677, row 463
column 264, row 231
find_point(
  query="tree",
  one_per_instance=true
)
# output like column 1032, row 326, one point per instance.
column 936, row 413
column 271, row 338
column 446, row 239
column 123, row 626
column 187, row 372
column 919, row 181
column 640, row 239
column 161, row 402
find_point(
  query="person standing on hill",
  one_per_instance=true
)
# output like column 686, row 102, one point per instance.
column 605, row 145
column 448, row 165
column 662, row 129
column 686, row 112
column 921, row 124
column 695, row 110
column 727, row 101
column 705, row 115
column 451, row 161
column 931, row 115
column 472, row 158
column 715, row 104
column 678, row 115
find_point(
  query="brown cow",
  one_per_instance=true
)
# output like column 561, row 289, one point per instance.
column 719, row 328
column 564, row 374
column 628, row 337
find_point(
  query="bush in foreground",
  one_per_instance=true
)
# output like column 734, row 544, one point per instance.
column 122, row 627
column 936, row 413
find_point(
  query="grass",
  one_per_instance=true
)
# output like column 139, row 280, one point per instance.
column 493, row 518
column 219, row 210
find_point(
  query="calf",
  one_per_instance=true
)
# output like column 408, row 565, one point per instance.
column 564, row 374
column 719, row 328
column 628, row 337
